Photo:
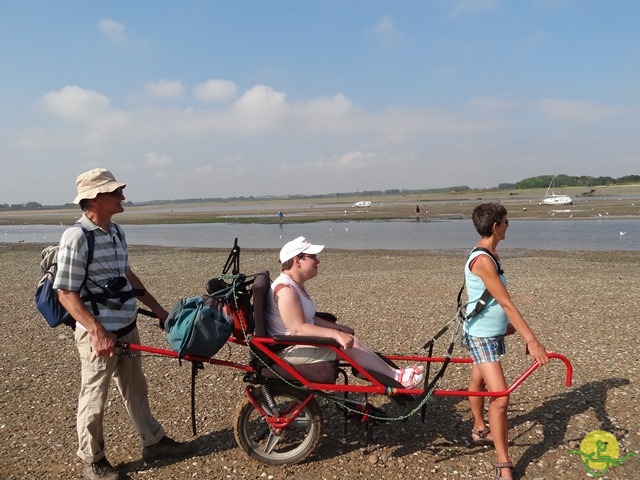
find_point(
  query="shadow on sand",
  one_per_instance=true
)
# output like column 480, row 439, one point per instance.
column 444, row 433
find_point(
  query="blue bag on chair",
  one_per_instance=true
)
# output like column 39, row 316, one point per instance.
column 196, row 326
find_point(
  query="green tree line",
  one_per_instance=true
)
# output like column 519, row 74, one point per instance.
column 562, row 180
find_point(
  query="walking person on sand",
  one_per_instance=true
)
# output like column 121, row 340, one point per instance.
column 484, row 333
column 104, row 308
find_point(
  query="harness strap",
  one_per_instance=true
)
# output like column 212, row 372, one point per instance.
column 486, row 296
column 195, row 366
column 102, row 298
column 121, row 332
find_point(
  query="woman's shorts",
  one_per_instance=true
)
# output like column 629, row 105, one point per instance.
column 305, row 354
column 484, row 349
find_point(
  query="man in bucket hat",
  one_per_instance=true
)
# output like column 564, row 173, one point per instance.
column 103, row 316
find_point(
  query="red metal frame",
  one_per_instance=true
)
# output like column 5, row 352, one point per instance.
column 283, row 419
column 263, row 344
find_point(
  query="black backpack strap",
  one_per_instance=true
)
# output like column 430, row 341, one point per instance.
column 493, row 257
column 486, row 296
column 91, row 243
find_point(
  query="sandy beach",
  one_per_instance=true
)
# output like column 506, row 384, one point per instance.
column 581, row 304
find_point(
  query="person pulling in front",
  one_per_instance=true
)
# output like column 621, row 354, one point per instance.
column 483, row 334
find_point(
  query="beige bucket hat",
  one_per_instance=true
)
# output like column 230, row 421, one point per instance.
column 93, row 182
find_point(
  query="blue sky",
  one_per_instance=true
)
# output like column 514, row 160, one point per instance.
column 185, row 99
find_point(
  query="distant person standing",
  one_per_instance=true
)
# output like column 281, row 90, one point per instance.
column 280, row 216
column 417, row 212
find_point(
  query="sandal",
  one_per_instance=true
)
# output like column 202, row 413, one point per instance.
column 410, row 377
column 479, row 437
column 499, row 467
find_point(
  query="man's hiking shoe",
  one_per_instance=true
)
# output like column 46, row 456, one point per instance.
column 100, row 470
column 165, row 448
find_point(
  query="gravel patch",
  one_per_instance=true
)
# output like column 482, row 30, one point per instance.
column 581, row 304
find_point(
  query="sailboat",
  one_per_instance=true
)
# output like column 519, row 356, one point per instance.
column 555, row 199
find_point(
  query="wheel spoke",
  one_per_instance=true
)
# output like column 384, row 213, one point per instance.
column 271, row 443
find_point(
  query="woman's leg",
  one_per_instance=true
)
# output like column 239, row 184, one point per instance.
column 494, row 379
column 476, row 384
column 369, row 359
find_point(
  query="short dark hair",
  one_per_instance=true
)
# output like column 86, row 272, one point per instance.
column 486, row 215
column 287, row 265
column 85, row 203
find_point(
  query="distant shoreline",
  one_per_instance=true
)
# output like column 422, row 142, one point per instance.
column 524, row 204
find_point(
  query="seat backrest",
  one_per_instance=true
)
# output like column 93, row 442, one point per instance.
column 260, row 294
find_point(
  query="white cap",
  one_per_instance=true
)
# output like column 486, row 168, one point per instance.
column 298, row 246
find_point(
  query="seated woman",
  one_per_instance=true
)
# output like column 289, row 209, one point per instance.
column 291, row 311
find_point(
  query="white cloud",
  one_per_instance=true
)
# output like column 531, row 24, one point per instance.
column 214, row 90
column 573, row 111
column 155, row 160
column 335, row 114
column 74, row 103
column 113, row 30
column 164, row 88
column 260, row 109
column 263, row 135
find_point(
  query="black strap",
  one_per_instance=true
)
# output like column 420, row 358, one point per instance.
column 195, row 366
column 486, row 296
column 91, row 242
column 103, row 297
column 124, row 330
column 493, row 257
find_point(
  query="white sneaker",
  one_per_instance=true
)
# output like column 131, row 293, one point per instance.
column 410, row 377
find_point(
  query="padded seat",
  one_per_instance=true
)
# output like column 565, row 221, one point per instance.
column 318, row 372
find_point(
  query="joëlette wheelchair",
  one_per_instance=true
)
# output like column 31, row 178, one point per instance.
column 280, row 419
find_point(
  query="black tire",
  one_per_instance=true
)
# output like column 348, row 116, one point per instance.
column 295, row 443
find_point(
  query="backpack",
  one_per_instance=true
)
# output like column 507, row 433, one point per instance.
column 46, row 297
column 197, row 326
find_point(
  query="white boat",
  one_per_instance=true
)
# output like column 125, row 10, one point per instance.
column 551, row 198
column 362, row 204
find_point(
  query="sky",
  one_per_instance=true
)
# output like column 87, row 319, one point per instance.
column 224, row 98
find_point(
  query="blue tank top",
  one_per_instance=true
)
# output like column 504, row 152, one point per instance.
column 492, row 321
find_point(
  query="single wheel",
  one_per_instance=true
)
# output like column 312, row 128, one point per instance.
column 292, row 444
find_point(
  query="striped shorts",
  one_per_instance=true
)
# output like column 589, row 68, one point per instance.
column 484, row 349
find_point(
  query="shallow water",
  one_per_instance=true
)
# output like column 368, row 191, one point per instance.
column 597, row 235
